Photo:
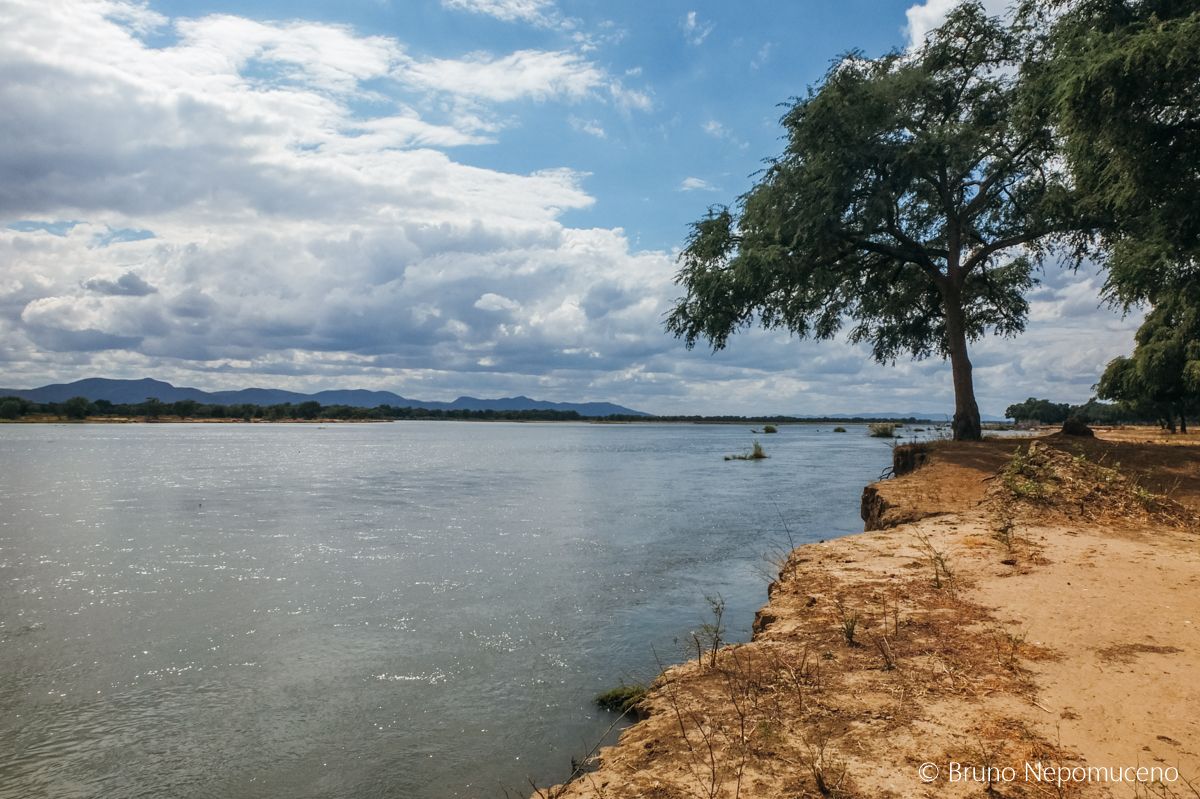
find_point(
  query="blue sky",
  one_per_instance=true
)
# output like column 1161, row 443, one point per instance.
column 435, row 197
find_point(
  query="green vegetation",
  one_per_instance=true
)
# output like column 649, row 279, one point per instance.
column 1039, row 410
column 711, row 635
column 839, row 429
column 1161, row 379
column 1121, row 82
column 77, row 408
column 906, row 182
column 1027, row 477
column 756, row 453
column 623, row 698
column 882, row 430
column 80, row 408
column 1043, row 411
column 14, row 408
column 770, row 428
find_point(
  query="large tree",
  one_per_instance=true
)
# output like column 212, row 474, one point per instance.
column 913, row 200
column 1162, row 377
column 1122, row 81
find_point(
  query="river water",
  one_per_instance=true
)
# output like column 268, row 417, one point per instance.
column 415, row 610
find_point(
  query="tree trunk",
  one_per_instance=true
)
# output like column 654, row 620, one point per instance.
column 966, row 425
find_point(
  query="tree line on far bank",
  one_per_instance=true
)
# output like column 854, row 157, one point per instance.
column 1044, row 411
column 79, row 408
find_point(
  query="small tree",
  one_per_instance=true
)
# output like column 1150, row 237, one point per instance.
column 906, row 184
column 152, row 407
column 77, row 408
column 185, row 409
column 11, row 408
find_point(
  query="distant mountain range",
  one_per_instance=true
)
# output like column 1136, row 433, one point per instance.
column 133, row 391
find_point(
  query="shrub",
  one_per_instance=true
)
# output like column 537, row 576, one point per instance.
column 755, row 454
column 882, row 430
column 770, row 428
column 839, row 429
column 77, row 408
column 11, row 408
column 623, row 698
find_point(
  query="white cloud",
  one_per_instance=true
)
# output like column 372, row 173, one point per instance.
column 536, row 12
column 301, row 241
column 923, row 18
column 695, row 31
column 589, row 126
column 718, row 131
column 534, row 74
column 496, row 302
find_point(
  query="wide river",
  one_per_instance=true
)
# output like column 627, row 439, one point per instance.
column 415, row 610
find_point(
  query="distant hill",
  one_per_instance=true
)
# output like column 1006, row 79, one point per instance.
column 133, row 391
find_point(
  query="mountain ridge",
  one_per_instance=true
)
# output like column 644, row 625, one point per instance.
column 133, row 391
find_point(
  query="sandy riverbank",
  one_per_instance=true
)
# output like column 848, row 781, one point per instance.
column 1002, row 620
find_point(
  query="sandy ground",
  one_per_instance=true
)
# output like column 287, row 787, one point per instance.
column 1007, row 624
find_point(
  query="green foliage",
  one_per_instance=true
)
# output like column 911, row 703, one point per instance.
column 1039, row 410
column 13, row 408
column 711, row 635
column 905, row 181
column 623, row 698
column 1122, row 80
column 185, row 409
column 77, row 408
column 1026, row 476
column 770, row 428
column 1162, row 376
column 756, row 453
column 839, row 429
column 882, row 430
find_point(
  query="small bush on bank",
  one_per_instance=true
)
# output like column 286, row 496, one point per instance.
column 623, row 698
column 882, row 430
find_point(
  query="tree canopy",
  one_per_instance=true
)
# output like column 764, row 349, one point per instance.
column 907, row 183
column 1162, row 376
column 1039, row 410
column 1122, row 80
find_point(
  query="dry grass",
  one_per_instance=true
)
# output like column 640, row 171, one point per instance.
column 1040, row 480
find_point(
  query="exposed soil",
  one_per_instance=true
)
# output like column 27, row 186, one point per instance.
column 1008, row 608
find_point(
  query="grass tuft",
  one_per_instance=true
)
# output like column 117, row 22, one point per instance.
column 623, row 698
column 882, row 430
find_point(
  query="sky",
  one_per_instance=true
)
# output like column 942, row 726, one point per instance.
column 437, row 198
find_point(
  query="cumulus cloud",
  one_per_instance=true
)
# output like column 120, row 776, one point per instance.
column 696, row 184
column 313, row 226
column 127, row 285
column 536, row 74
column 291, row 234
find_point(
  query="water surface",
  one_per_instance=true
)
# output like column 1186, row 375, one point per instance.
column 415, row 610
